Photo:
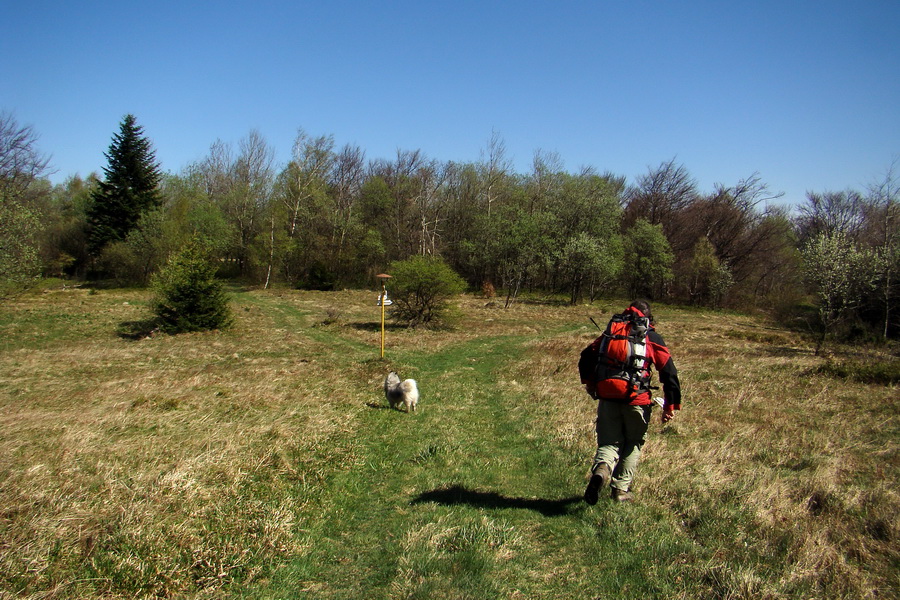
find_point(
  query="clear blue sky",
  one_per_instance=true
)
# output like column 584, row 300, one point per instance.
column 807, row 93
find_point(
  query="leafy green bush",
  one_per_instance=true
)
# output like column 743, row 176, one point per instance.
column 421, row 289
column 188, row 296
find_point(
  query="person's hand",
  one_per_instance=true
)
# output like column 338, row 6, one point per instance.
column 590, row 390
column 668, row 414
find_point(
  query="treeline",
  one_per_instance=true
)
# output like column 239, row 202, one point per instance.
column 333, row 218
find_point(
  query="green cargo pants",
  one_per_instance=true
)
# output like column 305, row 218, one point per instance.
column 621, row 429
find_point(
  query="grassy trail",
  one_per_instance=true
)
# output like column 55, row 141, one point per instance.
column 466, row 499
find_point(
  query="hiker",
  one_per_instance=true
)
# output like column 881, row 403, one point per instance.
column 615, row 370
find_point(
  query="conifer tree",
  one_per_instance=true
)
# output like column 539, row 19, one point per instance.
column 188, row 295
column 130, row 186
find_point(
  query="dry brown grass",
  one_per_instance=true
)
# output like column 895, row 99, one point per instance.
column 809, row 462
column 150, row 448
column 142, row 453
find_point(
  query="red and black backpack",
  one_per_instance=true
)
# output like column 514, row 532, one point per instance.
column 617, row 361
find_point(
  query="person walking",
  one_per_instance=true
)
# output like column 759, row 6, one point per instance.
column 615, row 370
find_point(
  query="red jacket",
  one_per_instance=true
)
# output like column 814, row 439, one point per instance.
column 657, row 355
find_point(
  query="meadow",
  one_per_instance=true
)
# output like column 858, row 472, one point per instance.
column 263, row 461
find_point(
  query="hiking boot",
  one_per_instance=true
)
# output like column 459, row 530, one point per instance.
column 599, row 477
column 622, row 495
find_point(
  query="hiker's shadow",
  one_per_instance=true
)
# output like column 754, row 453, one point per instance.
column 456, row 494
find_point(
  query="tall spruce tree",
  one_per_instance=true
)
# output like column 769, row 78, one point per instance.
column 130, row 187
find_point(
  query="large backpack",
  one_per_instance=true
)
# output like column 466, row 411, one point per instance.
column 617, row 361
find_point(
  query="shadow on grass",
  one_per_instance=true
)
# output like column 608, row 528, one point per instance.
column 459, row 495
column 786, row 351
column 138, row 330
column 362, row 326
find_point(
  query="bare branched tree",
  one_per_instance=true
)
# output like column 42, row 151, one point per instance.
column 884, row 223
column 347, row 176
column 241, row 186
column 493, row 169
column 21, row 163
column 660, row 195
column 829, row 213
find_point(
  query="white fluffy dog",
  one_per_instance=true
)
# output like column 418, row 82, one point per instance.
column 401, row 392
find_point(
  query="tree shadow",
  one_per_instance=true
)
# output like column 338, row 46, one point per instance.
column 138, row 330
column 456, row 494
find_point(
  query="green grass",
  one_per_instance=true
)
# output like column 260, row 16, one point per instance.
column 865, row 371
column 264, row 462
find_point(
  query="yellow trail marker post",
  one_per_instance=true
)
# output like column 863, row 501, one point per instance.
column 383, row 301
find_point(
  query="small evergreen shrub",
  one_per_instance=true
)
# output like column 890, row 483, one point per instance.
column 188, row 296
